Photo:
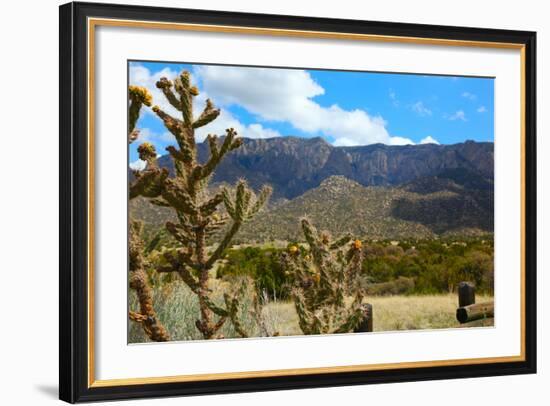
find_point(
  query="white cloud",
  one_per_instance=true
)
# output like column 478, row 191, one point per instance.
column 429, row 140
column 458, row 115
column 401, row 141
column 145, row 134
column 141, row 76
column 227, row 120
column 279, row 95
column 469, row 96
column 420, row 109
column 258, row 131
column 481, row 109
column 138, row 165
column 286, row 95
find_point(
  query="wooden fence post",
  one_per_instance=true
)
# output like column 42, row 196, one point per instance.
column 466, row 294
column 366, row 325
column 475, row 312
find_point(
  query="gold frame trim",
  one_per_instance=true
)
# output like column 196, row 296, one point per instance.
column 94, row 22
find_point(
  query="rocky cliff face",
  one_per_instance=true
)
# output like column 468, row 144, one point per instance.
column 295, row 165
column 377, row 191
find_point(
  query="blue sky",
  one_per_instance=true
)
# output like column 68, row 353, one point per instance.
column 345, row 108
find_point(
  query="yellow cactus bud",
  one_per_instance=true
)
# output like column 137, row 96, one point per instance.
column 293, row 249
column 140, row 94
column 147, row 152
column 357, row 244
column 194, row 91
column 316, row 278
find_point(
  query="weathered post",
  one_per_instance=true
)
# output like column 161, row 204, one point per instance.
column 473, row 312
column 366, row 326
column 466, row 294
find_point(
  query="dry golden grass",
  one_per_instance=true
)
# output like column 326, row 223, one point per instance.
column 390, row 313
column 177, row 308
column 416, row 312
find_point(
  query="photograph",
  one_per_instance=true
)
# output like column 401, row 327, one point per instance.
column 267, row 201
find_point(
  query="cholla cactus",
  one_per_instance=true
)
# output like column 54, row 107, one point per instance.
column 199, row 215
column 323, row 276
column 147, row 317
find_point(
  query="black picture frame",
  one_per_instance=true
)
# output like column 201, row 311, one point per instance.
column 74, row 200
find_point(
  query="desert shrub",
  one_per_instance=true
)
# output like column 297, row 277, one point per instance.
column 399, row 286
column 394, row 250
column 176, row 306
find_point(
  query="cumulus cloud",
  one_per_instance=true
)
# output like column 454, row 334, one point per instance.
column 429, row 140
column 145, row 134
column 286, row 95
column 258, row 131
column 481, row 109
column 420, row 109
column 400, row 141
column 141, row 76
column 227, row 120
column 138, row 165
column 458, row 115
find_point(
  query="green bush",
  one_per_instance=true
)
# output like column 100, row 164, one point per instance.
column 433, row 266
column 436, row 266
column 261, row 264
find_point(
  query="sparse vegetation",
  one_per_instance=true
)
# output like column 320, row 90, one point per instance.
column 176, row 305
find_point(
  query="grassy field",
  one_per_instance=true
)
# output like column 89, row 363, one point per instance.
column 177, row 309
column 390, row 313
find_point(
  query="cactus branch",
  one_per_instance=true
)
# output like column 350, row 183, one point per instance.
column 209, row 114
column 165, row 87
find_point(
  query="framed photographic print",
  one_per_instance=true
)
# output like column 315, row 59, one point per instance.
column 256, row 202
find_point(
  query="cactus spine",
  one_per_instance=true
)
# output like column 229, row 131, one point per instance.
column 323, row 276
column 199, row 215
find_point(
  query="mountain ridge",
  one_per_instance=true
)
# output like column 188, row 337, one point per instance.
column 293, row 165
column 375, row 191
column 341, row 206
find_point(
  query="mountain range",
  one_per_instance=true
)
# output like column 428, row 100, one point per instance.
column 377, row 191
column 295, row 165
